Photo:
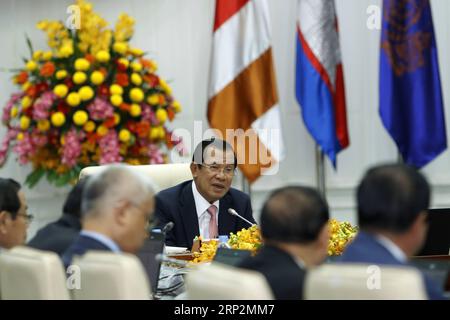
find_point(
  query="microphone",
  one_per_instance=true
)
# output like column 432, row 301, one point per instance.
column 234, row 213
column 168, row 227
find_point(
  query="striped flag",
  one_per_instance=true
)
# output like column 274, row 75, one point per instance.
column 319, row 76
column 242, row 92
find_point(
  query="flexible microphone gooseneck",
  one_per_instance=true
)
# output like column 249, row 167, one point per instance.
column 234, row 213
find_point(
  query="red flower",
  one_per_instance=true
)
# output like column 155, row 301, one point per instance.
column 121, row 67
column 22, row 77
column 170, row 114
column 92, row 137
column 122, row 79
column 63, row 107
column 125, row 107
column 89, row 57
column 142, row 129
column 68, row 82
column 47, row 69
column 109, row 123
column 103, row 90
column 151, row 79
column 42, row 86
column 131, row 126
column 31, row 91
column 134, row 150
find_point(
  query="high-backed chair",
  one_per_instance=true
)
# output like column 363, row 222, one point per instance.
column 220, row 282
column 164, row 175
column 30, row 274
column 111, row 276
column 364, row 282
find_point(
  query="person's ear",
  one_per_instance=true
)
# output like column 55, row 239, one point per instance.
column 121, row 213
column 419, row 223
column 324, row 235
column 4, row 216
column 194, row 169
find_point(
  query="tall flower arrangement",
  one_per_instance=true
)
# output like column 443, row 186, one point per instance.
column 92, row 98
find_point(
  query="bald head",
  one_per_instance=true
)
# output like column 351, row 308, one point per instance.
column 294, row 215
column 114, row 185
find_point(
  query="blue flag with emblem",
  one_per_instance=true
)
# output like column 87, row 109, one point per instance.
column 411, row 105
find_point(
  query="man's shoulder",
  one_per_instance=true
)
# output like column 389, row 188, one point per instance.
column 173, row 191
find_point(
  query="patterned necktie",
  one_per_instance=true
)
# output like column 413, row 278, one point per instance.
column 213, row 231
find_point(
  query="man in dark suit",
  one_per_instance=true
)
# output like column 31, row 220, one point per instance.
column 294, row 228
column 59, row 235
column 116, row 206
column 199, row 207
column 392, row 215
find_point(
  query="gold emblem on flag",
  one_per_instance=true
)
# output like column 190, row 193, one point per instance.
column 404, row 44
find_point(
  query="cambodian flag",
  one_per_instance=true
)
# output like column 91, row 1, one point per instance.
column 411, row 106
column 319, row 76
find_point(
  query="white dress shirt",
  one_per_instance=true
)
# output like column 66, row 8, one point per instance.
column 392, row 248
column 202, row 205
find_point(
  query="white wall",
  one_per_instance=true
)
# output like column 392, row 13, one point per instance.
column 177, row 33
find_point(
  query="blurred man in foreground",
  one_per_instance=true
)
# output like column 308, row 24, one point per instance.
column 392, row 204
column 294, row 228
column 117, row 204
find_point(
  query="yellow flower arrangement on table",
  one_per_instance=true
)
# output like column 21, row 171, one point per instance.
column 341, row 233
column 92, row 98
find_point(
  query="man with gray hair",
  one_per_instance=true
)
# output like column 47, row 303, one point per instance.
column 117, row 204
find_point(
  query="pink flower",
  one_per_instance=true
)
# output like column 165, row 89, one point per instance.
column 109, row 147
column 72, row 147
column 10, row 134
column 148, row 114
column 42, row 105
column 100, row 109
column 38, row 139
column 155, row 155
column 24, row 148
column 9, row 105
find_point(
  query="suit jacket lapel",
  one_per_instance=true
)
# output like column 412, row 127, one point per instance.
column 227, row 222
column 188, row 213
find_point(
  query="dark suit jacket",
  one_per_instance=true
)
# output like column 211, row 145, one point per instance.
column 177, row 204
column 57, row 236
column 80, row 246
column 366, row 249
column 283, row 274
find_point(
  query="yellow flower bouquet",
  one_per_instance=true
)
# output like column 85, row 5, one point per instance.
column 341, row 233
column 92, row 98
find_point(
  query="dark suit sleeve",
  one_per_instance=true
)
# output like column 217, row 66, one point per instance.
column 163, row 216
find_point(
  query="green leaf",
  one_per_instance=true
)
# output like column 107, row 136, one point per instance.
column 51, row 176
column 30, row 45
column 34, row 177
column 63, row 179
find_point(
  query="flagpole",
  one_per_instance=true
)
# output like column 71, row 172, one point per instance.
column 320, row 171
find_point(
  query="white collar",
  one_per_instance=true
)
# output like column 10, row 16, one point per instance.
column 301, row 264
column 201, row 204
column 392, row 248
column 102, row 239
